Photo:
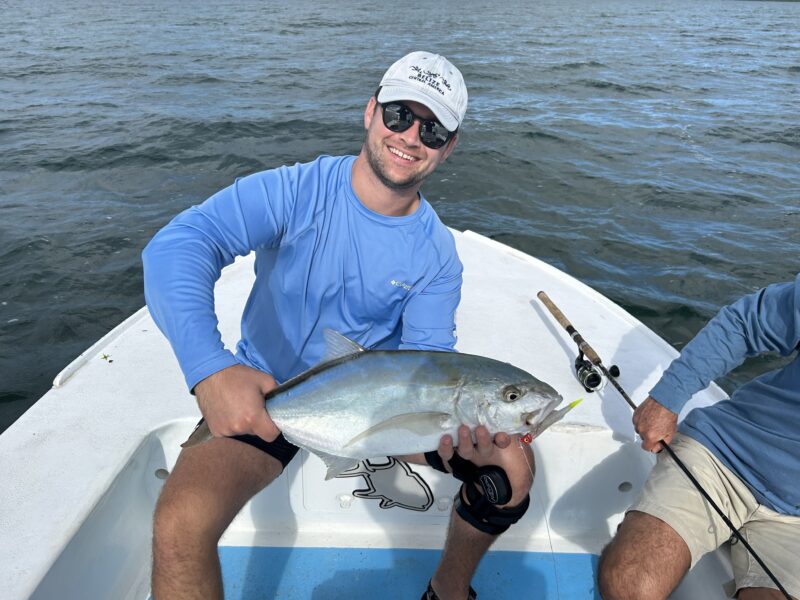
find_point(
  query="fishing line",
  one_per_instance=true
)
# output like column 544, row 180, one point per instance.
column 594, row 358
column 522, row 443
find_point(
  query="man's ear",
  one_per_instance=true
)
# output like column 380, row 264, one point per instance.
column 451, row 145
column 369, row 111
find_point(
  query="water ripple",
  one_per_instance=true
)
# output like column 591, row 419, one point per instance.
column 651, row 151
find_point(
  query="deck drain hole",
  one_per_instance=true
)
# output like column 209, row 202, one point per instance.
column 625, row 486
column 162, row 473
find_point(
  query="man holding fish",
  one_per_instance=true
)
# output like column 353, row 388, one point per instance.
column 348, row 245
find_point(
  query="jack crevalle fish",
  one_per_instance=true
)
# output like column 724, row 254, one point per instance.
column 359, row 404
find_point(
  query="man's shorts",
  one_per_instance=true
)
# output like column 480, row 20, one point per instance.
column 281, row 449
column 670, row 496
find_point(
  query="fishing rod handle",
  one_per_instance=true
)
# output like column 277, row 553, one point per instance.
column 583, row 345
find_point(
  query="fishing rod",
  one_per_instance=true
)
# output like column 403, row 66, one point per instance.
column 611, row 375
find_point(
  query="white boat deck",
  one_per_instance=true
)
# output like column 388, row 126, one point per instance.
column 81, row 470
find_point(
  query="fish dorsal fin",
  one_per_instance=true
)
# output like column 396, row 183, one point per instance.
column 339, row 346
column 422, row 423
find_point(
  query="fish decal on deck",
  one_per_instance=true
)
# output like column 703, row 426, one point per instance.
column 360, row 404
column 393, row 482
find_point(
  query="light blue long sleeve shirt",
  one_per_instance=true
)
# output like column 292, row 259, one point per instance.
column 323, row 260
column 755, row 433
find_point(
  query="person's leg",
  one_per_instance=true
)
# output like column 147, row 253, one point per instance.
column 466, row 545
column 463, row 550
column 671, row 526
column 645, row 560
column 207, row 488
column 776, row 540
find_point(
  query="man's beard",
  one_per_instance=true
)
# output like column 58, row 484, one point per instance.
column 377, row 165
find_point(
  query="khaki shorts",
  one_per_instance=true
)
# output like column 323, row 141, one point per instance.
column 670, row 496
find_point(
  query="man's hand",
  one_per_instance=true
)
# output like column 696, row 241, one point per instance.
column 654, row 423
column 232, row 402
column 480, row 453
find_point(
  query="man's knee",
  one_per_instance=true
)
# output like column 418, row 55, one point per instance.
column 621, row 579
column 645, row 560
column 611, row 574
column 492, row 499
column 476, row 508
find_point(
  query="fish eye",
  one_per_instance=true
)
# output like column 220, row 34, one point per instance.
column 511, row 394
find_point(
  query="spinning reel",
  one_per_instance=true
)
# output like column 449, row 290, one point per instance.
column 590, row 375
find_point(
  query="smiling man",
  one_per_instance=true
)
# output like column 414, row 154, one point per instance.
column 343, row 243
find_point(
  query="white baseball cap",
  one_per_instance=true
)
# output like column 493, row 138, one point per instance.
column 429, row 79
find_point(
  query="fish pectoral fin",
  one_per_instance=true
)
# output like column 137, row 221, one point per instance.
column 336, row 464
column 420, row 423
column 338, row 346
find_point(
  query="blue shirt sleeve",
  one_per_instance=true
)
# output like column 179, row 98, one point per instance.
column 184, row 260
column 766, row 321
column 429, row 317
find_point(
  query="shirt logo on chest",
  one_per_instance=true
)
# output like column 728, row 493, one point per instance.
column 400, row 284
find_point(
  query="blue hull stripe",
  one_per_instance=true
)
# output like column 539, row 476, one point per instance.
column 402, row 574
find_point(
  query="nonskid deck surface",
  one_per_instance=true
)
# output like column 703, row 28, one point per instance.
column 298, row 573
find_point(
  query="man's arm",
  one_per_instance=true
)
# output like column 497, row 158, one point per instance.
column 766, row 321
column 184, row 260
column 181, row 265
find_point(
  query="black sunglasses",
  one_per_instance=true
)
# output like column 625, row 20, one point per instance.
column 398, row 117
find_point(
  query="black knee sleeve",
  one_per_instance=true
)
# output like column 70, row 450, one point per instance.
column 481, row 509
column 478, row 510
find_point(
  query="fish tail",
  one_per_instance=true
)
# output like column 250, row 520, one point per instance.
column 200, row 434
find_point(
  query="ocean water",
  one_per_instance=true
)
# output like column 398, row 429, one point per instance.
column 650, row 149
